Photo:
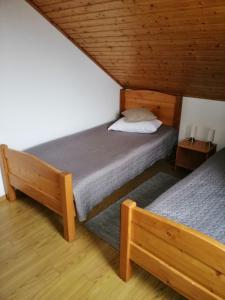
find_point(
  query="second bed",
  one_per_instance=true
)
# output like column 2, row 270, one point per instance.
column 180, row 236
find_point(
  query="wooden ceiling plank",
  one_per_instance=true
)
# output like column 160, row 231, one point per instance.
column 88, row 9
column 71, row 4
column 143, row 20
column 162, row 58
column 47, row 2
column 145, row 50
column 163, row 62
column 172, row 82
column 136, row 30
column 189, row 66
column 165, row 25
column 64, row 9
column 192, row 37
column 142, row 67
column 53, row 3
column 185, row 14
column 215, row 77
column 157, row 45
column 191, row 91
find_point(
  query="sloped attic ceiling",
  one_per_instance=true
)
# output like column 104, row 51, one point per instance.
column 175, row 46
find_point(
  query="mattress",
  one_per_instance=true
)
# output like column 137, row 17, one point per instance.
column 101, row 161
column 198, row 200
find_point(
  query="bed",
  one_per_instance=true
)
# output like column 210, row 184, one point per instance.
column 180, row 236
column 99, row 161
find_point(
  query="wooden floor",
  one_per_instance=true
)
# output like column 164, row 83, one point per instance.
column 37, row 263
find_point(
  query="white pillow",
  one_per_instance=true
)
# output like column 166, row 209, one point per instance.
column 140, row 127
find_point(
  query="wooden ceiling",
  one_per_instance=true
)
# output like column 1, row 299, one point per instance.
column 175, row 46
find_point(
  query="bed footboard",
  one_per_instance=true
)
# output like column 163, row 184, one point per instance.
column 42, row 182
column 190, row 262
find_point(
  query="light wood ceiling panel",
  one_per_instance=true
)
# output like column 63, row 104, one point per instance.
column 167, row 45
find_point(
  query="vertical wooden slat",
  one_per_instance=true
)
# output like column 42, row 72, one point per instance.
column 122, row 99
column 177, row 114
column 68, row 206
column 125, row 237
column 9, row 190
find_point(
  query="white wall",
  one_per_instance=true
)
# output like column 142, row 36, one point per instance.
column 48, row 88
column 205, row 114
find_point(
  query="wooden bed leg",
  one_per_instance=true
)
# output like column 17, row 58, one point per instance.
column 68, row 207
column 9, row 189
column 125, row 236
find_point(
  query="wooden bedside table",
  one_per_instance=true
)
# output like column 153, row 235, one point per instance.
column 191, row 155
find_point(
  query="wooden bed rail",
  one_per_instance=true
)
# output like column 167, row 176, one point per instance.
column 187, row 260
column 42, row 182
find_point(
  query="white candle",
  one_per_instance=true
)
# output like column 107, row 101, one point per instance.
column 192, row 131
column 196, row 130
column 211, row 135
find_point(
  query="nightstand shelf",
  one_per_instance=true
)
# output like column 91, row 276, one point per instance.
column 191, row 155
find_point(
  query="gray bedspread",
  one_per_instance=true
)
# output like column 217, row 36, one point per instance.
column 101, row 161
column 198, row 200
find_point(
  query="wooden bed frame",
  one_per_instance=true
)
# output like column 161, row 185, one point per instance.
column 190, row 262
column 52, row 187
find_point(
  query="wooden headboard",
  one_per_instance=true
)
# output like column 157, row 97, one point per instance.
column 166, row 107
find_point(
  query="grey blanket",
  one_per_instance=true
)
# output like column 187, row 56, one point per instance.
column 101, row 161
column 198, row 200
